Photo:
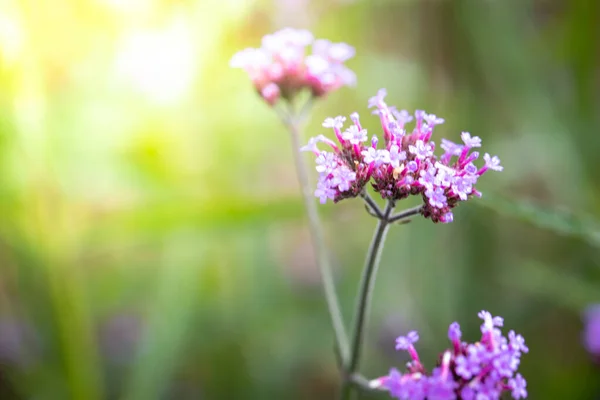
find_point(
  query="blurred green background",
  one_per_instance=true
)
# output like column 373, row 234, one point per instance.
column 152, row 239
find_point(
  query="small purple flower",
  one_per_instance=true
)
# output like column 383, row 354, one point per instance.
column 518, row 385
column 339, row 52
column 324, row 192
column 447, row 218
column 468, row 393
column 489, row 322
column 402, row 116
column 440, row 389
column 343, row 178
column 433, row 120
column 337, row 122
column 405, row 342
column 451, row 148
column 462, row 186
column 317, row 66
column 470, row 169
column 469, row 141
column 395, row 129
column 436, row 197
column 517, row 342
column 505, row 364
column 377, row 100
column 396, row 156
column 487, row 393
column 377, row 157
column 369, row 155
column 492, row 163
column 412, row 166
column 393, row 382
column 427, row 178
column 355, row 135
column 469, row 365
column 444, row 176
column 421, row 150
column 326, row 162
column 312, row 144
column 420, row 114
column 454, row 333
column 414, row 389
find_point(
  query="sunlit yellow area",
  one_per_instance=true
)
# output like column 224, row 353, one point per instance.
column 153, row 240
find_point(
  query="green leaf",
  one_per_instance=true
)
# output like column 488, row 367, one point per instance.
column 561, row 221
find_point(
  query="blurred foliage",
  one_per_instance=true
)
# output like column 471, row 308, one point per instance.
column 152, row 238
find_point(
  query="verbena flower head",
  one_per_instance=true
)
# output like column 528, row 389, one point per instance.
column 468, row 371
column 405, row 165
column 282, row 67
column 591, row 332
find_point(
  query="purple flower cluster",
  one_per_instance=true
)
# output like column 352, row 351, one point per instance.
column 468, row 371
column 406, row 166
column 281, row 67
column 591, row 333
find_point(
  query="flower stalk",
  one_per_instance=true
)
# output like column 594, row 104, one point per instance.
column 367, row 285
column 292, row 123
column 403, row 215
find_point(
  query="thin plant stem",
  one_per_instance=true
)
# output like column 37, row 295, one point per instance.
column 305, row 108
column 372, row 206
column 364, row 297
column 317, row 236
column 405, row 214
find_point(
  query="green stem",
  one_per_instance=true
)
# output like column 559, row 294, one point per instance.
column 372, row 207
column 405, row 214
column 317, row 236
column 365, row 294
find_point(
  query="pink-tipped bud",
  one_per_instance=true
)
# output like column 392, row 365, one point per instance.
column 374, row 142
column 270, row 93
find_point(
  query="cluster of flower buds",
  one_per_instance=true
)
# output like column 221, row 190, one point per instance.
column 406, row 166
column 591, row 333
column 469, row 371
column 281, row 68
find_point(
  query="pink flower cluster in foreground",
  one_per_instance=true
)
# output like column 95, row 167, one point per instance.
column 282, row 67
column 405, row 166
column 468, row 371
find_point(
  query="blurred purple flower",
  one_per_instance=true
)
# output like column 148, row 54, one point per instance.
column 18, row 342
column 281, row 68
column 119, row 336
column 591, row 332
